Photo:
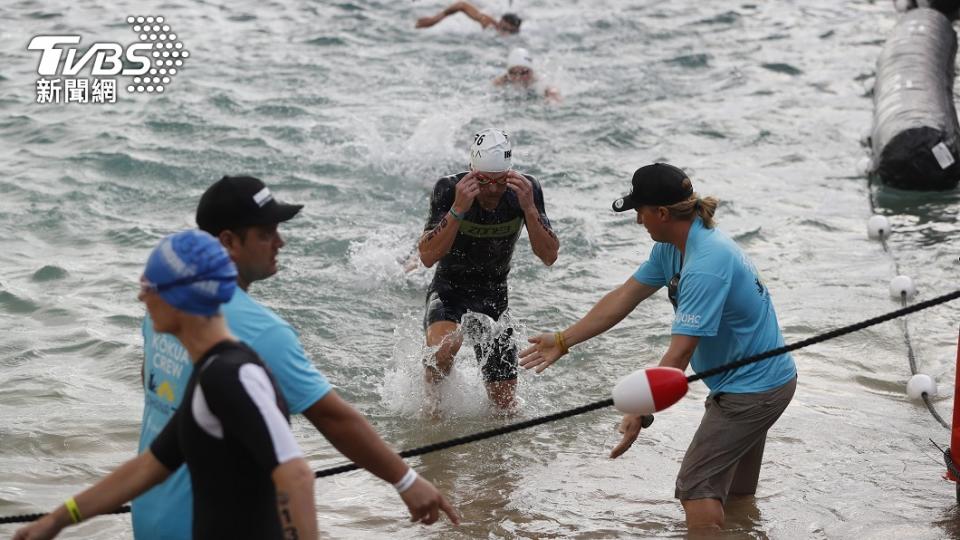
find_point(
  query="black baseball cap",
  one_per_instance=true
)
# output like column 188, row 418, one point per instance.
column 658, row 184
column 240, row 201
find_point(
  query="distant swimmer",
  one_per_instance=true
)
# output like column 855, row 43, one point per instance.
column 509, row 23
column 250, row 478
column 475, row 220
column 520, row 75
column 722, row 312
column 245, row 215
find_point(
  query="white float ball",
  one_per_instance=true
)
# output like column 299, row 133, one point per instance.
column 901, row 285
column 902, row 5
column 921, row 384
column 877, row 226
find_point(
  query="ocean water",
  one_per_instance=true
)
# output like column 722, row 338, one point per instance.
column 345, row 108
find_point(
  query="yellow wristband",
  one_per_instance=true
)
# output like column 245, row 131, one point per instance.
column 73, row 510
column 561, row 342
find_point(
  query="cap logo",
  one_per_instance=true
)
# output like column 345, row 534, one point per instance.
column 507, row 153
column 173, row 261
column 210, row 286
column 618, row 204
column 262, row 197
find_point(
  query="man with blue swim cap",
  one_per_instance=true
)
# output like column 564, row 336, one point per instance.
column 244, row 215
column 722, row 313
column 249, row 476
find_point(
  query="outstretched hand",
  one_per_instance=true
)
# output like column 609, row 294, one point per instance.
column 41, row 529
column 427, row 22
column 542, row 354
column 630, row 427
column 425, row 502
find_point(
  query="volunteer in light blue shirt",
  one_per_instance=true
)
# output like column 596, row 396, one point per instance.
column 166, row 510
column 243, row 214
column 722, row 313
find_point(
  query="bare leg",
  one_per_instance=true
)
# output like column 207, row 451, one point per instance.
column 442, row 334
column 502, row 394
column 703, row 514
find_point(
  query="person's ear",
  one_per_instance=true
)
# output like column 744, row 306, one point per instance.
column 229, row 239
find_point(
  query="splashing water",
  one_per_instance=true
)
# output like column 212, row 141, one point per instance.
column 461, row 393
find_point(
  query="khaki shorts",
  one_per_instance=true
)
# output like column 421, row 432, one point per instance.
column 725, row 454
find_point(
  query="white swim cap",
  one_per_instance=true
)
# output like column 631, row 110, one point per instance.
column 490, row 151
column 520, row 57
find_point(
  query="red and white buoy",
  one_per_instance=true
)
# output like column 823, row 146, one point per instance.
column 646, row 391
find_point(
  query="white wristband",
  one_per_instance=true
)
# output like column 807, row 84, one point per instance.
column 407, row 481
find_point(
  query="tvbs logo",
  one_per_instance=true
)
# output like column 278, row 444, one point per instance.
column 106, row 57
column 152, row 62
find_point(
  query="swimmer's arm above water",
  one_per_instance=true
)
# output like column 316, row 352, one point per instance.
column 610, row 310
column 123, row 484
column 466, row 7
column 436, row 243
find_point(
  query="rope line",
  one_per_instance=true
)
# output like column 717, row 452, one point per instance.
column 479, row 436
column 828, row 335
column 913, row 366
column 947, row 458
column 911, row 356
column 606, row 402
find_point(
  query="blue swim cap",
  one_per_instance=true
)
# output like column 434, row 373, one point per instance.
column 192, row 272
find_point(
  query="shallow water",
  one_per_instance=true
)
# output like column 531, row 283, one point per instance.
column 345, row 108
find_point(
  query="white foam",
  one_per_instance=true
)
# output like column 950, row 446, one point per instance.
column 462, row 392
column 388, row 258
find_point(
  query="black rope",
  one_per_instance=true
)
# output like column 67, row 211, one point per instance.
column 926, row 401
column 913, row 365
column 604, row 403
column 947, row 459
column 496, row 432
column 827, row 335
column 26, row 518
column 911, row 356
column 443, row 445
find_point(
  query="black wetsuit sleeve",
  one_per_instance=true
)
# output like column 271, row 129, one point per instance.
column 166, row 447
column 538, row 201
column 243, row 398
column 440, row 202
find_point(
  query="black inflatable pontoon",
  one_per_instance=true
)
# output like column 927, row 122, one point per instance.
column 915, row 136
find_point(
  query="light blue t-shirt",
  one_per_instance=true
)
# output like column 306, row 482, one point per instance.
column 166, row 511
column 723, row 301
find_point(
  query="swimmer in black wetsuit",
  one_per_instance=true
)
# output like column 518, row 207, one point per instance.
column 249, row 477
column 474, row 222
column 509, row 23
